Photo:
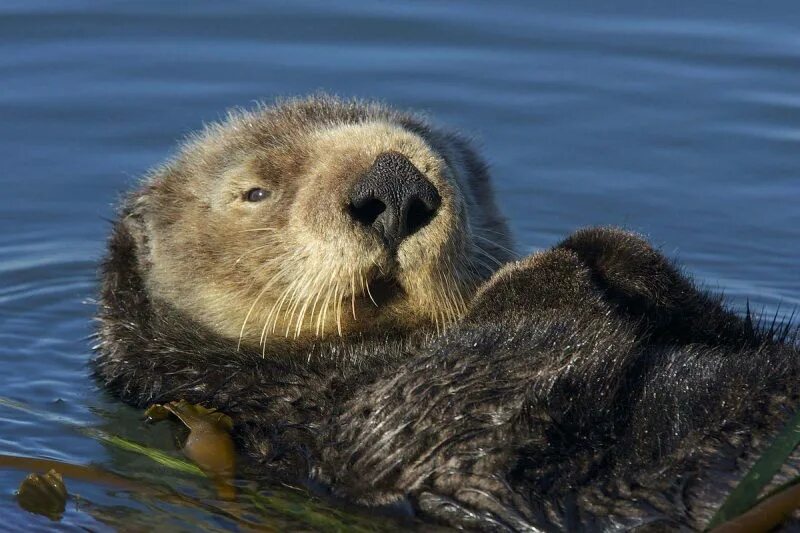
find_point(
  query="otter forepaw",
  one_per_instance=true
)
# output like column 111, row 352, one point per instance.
column 209, row 443
column 555, row 279
column 647, row 288
column 627, row 267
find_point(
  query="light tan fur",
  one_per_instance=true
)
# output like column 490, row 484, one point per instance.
column 296, row 264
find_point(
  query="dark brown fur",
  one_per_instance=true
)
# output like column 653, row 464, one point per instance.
column 591, row 386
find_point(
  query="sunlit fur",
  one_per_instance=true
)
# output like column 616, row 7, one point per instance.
column 296, row 264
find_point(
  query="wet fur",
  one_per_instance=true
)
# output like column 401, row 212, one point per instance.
column 590, row 386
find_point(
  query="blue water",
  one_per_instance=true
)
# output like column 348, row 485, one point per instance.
column 682, row 122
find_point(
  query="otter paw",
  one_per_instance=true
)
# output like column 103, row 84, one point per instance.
column 651, row 291
column 551, row 280
column 194, row 416
column 625, row 265
column 209, row 444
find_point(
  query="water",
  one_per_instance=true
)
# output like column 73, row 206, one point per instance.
column 679, row 122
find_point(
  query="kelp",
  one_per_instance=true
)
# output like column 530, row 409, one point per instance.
column 254, row 509
column 773, row 508
column 43, row 494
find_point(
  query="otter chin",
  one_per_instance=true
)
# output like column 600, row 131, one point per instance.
column 335, row 277
column 318, row 217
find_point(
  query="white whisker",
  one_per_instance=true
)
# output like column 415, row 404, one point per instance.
column 261, row 293
column 488, row 255
column 497, row 245
column 251, row 250
column 300, row 320
column 338, row 309
column 353, row 293
column 369, row 293
column 258, row 229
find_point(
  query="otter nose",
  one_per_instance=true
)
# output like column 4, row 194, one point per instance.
column 393, row 198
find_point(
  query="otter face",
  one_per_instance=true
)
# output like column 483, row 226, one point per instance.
column 318, row 217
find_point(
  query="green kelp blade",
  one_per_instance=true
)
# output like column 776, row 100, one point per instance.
column 746, row 493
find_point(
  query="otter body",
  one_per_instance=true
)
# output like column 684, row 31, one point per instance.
column 590, row 386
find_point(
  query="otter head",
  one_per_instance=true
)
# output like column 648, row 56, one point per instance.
column 317, row 217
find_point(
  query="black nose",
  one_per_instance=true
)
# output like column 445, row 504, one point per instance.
column 394, row 198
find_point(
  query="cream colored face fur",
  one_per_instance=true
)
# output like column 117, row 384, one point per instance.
column 296, row 264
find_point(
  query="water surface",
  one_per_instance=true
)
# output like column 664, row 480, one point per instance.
column 682, row 123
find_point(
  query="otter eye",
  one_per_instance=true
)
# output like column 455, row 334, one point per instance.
column 256, row 195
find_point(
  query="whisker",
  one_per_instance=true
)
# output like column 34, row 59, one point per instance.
column 312, row 284
column 488, row 255
column 251, row 250
column 353, row 293
column 261, row 293
column 338, row 309
column 274, row 312
column 295, row 302
column 378, row 267
column 249, row 312
column 258, row 229
column 497, row 245
column 444, row 283
column 366, row 282
column 500, row 233
column 314, row 307
column 458, row 304
column 324, row 314
column 473, row 264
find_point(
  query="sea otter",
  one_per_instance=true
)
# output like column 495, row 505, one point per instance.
column 336, row 277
